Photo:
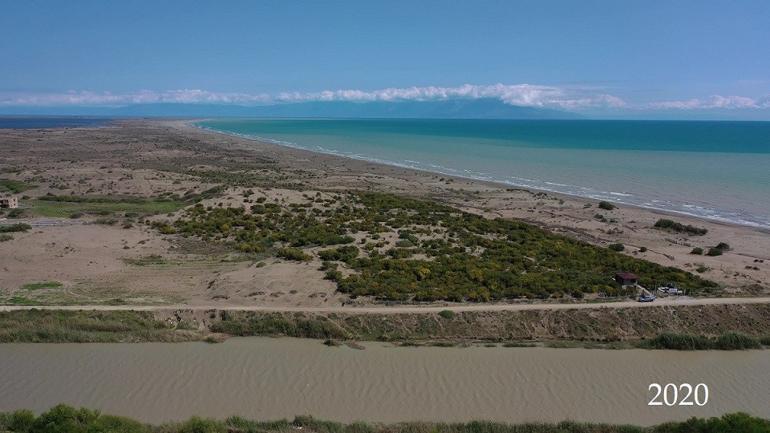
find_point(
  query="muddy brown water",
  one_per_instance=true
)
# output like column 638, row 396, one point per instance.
column 264, row 378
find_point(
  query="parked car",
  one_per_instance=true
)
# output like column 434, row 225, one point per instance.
column 646, row 298
column 671, row 289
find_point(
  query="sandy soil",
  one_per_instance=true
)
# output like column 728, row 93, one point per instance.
column 98, row 263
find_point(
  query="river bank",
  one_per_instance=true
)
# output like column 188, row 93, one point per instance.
column 26, row 422
column 580, row 327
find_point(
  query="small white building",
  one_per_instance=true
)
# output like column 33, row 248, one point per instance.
column 9, row 202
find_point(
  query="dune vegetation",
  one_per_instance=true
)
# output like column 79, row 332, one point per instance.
column 667, row 224
column 404, row 249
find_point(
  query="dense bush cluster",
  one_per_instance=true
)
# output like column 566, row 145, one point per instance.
column 14, row 186
column 606, row 205
column 12, row 228
column 295, row 254
column 718, row 249
column 441, row 253
column 341, row 254
column 51, row 326
column 727, row 341
column 260, row 229
column 667, row 224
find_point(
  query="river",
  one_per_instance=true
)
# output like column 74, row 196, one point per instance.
column 269, row 378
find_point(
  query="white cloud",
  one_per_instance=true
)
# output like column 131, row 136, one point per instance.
column 140, row 97
column 513, row 94
column 713, row 102
column 530, row 95
column 516, row 94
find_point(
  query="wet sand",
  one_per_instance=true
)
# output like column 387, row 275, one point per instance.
column 278, row 378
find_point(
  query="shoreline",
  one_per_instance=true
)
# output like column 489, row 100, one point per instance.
column 498, row 183
column 96, row 420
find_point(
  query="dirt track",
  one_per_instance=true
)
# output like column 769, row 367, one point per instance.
column 402, row 309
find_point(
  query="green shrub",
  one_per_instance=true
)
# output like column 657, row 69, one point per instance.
column 16, row 213
column 718, row 249
column 290, row 253
column 446, row 314
column 14, row 186
column 343, row 254
column 163, row 227
column 726, row 341
column 333, row 275
column 19, row 227
column 273, row 324
column 667, row 224
column 4, row 237
column 678, row 342
column 400, row 253
column 617, row 247
column 736, row 341
column 41, row 285
column 200, row 425
column 697, row 251
column 606, row 205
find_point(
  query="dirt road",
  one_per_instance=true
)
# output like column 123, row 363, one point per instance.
column 433, row 308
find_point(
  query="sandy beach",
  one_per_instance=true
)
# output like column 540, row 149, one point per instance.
column 98, row 263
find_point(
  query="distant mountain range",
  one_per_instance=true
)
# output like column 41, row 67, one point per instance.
column 447, row 109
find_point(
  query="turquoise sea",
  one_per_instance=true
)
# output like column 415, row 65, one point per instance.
column 716, row 170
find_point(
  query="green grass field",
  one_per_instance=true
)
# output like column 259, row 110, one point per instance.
column 41, row 285
column 65, row 207
column 14, row 186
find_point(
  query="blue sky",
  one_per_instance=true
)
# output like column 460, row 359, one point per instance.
column 606, row 58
